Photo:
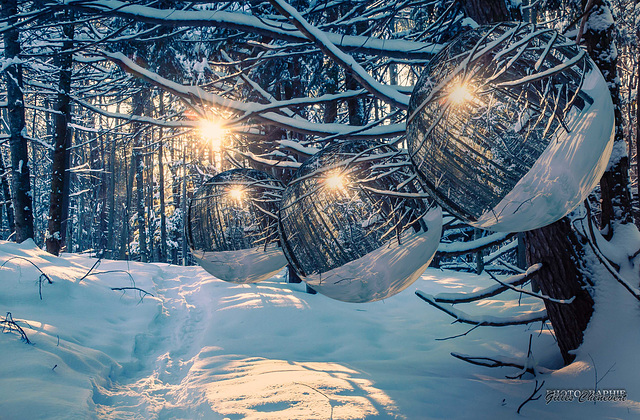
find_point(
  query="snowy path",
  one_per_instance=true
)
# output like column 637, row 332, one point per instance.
column 201, row 348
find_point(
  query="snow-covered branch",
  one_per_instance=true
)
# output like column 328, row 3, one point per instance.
column 255, row 25
column 489, row 291
column 483, row 320
column 196, row 95
column 383, row 92
column 457, row 248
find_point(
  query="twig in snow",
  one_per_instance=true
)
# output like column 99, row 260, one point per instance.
column 595, row 372
column 529, row 369
column 532, row 397
column 143, row 293
column 133, row 282
column 9, row 325
column 42, row 277
column 321, row 393
column 492, row 362
column 97, row 263
column 458, row 335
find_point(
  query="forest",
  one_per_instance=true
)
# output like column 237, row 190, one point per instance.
column 114, row 113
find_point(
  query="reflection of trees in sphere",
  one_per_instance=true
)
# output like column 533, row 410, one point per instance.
column 510, row 126
column 232, row 226
column 354, row 222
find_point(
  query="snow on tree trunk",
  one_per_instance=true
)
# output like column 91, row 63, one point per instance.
column 20, row 175
column 599, row 37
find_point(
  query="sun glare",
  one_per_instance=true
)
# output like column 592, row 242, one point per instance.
column 236, row 193
column 213, row 132
column 335, row 181
column 460, row 94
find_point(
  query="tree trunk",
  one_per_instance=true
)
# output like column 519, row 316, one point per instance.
column 557, row 247
column 637, row 134
column 125, row 233
column 20, row 174
column 183, row 203
column 614, row 185
column 111, row 196
column 7, row 197
column 486, row 11
column 59, row 195
column 139, row 100
column 163, row 216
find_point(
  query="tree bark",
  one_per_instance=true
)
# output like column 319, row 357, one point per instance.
column 163, row 216
column 139, row 100
column 558, row 249
column 111, row 196
column 20, row 174
column 59, row 195
column 486, row 11
column 614, row 185
column 8, row 203
column 183, row 203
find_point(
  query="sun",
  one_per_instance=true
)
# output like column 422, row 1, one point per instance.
column 213, row 132
column 460, row 94
column 236, row 193
column 335, row 181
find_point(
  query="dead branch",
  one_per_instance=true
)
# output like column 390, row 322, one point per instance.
column 143, row 292
column 492, row 362
column 97, row 263
column 458, row 335
column 532, row 396
column 133, row 282
column 43, row 275
column 9, row 325
column 523, row 371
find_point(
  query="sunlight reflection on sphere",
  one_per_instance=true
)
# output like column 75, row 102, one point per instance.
column 232, row 226
column 510, row 127
column 345, row 232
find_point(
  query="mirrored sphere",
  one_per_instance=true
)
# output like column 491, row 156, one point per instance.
column 232, row 226
column 510, row 127
column 355, row 223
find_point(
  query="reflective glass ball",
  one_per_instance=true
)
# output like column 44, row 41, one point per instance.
column 232, row 226
column 356, row 224
column 510, row 127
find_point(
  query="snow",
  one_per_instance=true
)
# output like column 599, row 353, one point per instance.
column 201, row 348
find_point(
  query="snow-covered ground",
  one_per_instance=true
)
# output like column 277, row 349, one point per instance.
column 200, row 348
